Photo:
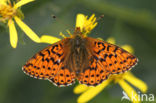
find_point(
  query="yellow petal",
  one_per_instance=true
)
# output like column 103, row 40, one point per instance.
column 89, row 24
column 48, row 39
column 128, row 48
column 69, row 33
column 111, row 40
column 92, row 18
column 61, row 34
column 92, row 92
column 129, row 91
column 3, row 2
column 31, row 34
column 80, row 19
column 13, row 33
column 80, row 88
column 21, row 3
column 136, row 82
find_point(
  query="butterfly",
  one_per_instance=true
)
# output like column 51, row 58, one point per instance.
column 89, row 60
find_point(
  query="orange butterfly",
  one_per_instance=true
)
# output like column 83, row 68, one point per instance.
column 86, row 59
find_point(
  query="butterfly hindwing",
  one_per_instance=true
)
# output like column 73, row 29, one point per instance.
column 106, row 59
column 49, row 64
column 94, row 74
column 64, row 78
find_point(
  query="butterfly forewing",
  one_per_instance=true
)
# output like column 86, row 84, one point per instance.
column 49, row 64
column 106, row 59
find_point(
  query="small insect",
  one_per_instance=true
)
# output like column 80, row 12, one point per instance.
column 89, row 60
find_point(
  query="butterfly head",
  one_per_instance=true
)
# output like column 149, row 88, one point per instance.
column 77, row 32
column 77, row 37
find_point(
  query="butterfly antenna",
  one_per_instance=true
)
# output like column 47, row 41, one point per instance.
column 66, row 25
column 100, row 17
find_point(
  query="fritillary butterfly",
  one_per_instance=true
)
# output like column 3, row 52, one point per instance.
column 86, row 59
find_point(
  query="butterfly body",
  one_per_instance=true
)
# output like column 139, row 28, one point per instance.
column 78, row 56
column 86, row 59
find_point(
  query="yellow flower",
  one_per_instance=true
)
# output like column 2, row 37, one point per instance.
column 10, row 13
column 86, row 25
column 122, row 79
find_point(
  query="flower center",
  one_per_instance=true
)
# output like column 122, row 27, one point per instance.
column 7, row 12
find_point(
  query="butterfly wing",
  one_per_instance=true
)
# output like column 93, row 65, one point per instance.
column 49, row 64
column 106, row 59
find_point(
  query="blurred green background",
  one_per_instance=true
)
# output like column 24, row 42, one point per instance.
column 128, row 21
